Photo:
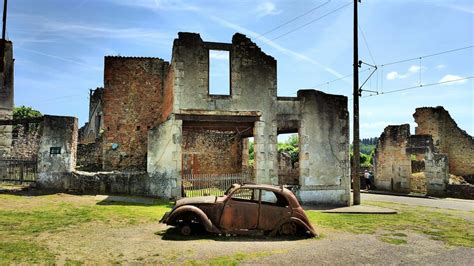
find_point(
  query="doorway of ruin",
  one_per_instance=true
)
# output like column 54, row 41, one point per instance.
column 288, row 158
column 212, row 156
column 418, row 181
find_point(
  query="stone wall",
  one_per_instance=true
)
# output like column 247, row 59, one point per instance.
column 321, row 120
column 448, row 138
column 89, row 156
column 91, row 131
column 6, row 99
column 57, row 150
column 392, row 163
column 324, row 148
column 211, row 152
column 132, row 104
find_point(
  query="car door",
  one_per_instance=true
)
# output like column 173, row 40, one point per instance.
column 241, row 210
column 274, row 208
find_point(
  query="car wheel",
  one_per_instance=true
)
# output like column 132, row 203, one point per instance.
column 288, row 229
column 185, row 230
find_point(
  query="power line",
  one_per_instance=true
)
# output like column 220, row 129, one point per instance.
column 400, row 61
column 295, row 18
column 343, row 77
column 312, row 21
column 426, row 56
column 367, row 45
column 420, row 86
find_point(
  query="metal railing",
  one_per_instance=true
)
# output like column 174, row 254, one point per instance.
column 18, row 170
column 194, row 185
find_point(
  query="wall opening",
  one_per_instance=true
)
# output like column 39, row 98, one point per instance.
column 219, row 72
column 288, row 159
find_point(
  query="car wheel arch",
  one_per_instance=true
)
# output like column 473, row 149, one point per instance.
column 206, row 222
column 298, row 221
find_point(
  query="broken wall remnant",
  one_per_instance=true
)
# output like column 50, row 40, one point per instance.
column 448, row 138
column 393, row 165
column 57, row 150
column 92, row 130
column 6, row 99
column 133, row 102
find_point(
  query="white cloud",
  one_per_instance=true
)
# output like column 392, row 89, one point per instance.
column 267, row 8
column 392, row 75
column 440, row 66
column 452, row 79
column 51, row 30
column 467, row 9
column 276, row 46
column 157, row 4
column 415, row 69
column 395, row 75
column 411, row 70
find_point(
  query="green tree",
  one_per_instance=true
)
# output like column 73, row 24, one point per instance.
column 25, row 112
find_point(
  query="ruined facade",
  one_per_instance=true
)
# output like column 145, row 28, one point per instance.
column 437, row 149
column 448, row 138
column 393, row 162
column 161, row 117
column 6, row 99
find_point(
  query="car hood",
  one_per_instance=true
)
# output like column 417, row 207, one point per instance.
column 196, row 200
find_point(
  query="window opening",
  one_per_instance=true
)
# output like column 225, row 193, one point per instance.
column 219, row 72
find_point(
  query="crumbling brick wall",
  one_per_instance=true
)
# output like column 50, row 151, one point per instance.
column 448, row 138
column 392, row 164
column 132, row 104
column 211, row 152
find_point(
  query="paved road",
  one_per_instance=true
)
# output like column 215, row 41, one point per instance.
column 454, row 204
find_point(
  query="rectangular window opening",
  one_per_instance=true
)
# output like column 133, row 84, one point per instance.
column 219, row 72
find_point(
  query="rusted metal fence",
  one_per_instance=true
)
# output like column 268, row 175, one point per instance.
column 194, row 185
column 18, row 171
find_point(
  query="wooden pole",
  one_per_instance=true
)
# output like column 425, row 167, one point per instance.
column 355, row 142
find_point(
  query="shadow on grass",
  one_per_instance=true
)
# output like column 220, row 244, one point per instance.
column 24, row 190
column 162, row 203
column 173, row 234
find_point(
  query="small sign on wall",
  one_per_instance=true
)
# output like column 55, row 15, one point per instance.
column 55, row 150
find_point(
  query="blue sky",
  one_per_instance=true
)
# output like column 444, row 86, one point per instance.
column 59, row 48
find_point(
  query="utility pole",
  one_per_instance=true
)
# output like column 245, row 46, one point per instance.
column 2, row 45
column 355, row 142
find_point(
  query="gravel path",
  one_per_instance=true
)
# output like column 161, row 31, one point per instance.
column 454, row 204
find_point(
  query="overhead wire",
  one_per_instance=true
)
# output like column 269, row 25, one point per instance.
column 312, row 21
column 367, row 45
column 429, row 55
column 294, row 19
column 419, row 86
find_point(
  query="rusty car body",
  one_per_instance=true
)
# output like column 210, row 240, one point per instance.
column 244, row 209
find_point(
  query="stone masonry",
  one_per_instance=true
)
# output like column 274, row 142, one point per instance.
column 448, row 138
column 251, row 110
column 6, row 99
column 161, row 115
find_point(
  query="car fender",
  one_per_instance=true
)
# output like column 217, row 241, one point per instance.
column 206, row 222
column 297, row 221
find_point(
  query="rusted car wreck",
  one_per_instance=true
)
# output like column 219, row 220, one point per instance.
column 244, row 209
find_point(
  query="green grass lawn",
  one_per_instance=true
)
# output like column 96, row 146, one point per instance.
column 442, row 225
column 24, row 218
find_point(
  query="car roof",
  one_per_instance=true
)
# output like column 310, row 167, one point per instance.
column 278, row 189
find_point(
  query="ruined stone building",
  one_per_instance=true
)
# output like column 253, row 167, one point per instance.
column 160, row 117
column 6, row 98
column 41, row 149
column 438, row 148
